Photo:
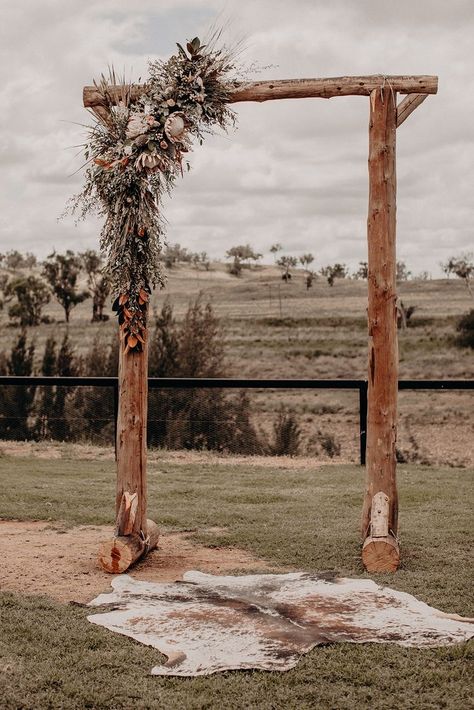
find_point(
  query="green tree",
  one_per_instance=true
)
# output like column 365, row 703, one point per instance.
column 67, row 365
column 93, row 407
column 286, row 263
column 465, row 328
column 49, row 362
column 164, row 346
column 205, row 260
column 362, row 272
column 274, row 249
column 175, row 253
column 13, row 260
column 333, row 272
column 198, row 418
column 403, row 274
column 461, row 266
column 235, row 268
column 31, row 294
column 97, row 282
column 3, row 285
column 17, row 402
column 242, row 253
column 46, row 402
column 286, row 435
column 201, row 343
column 305, row 260
column 62, row 272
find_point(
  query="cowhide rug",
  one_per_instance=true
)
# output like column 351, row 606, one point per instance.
column 208, row 623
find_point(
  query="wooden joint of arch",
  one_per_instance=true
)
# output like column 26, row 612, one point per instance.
column 408, row 105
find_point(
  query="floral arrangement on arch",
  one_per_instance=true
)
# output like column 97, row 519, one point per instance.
column 134, row 153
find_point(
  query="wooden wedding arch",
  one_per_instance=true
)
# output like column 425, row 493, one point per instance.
column 134, row 534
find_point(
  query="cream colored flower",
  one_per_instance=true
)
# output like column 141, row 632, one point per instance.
column 137, row 124
column 150, row 161
column 175, row 127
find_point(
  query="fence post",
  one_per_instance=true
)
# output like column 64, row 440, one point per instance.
column 363, row 420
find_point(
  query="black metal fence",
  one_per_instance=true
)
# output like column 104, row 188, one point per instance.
column 108, row 403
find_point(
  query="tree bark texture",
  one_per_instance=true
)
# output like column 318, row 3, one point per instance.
column 294, row 88
column 408, row 105
column 382, row 309
column 131, row 433
column 118, row 554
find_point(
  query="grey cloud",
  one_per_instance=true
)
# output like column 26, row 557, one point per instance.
column 294, row 172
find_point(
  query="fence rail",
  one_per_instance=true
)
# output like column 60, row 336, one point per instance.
column 235, row 383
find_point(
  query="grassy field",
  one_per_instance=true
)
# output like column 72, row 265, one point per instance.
column 320, row 333
column 51, row 657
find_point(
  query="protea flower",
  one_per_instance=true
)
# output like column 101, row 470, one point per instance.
column 175, row 127
column 138, row 123
column 150, row 161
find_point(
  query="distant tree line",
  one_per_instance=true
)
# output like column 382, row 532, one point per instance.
column 175, row 254
column 461, row 266
column 28, row 285
column 58, row 277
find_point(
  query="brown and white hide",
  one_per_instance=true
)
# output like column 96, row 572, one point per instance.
column 208, row 623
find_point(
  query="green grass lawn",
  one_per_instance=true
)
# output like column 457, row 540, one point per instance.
column 51, row 657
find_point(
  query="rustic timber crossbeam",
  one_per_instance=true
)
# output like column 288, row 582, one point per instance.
column 134, row 533
column 297, row 88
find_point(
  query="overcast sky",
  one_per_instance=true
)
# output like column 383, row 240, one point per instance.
column 293, row 172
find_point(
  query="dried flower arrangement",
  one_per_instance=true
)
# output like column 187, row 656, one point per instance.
column 134, row 153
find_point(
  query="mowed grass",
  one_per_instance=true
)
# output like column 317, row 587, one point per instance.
column 51, row 657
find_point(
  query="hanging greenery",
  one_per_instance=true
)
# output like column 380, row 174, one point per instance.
column 134, row 153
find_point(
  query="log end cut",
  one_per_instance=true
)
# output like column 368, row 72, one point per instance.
column 381, row 554
column 120, row 553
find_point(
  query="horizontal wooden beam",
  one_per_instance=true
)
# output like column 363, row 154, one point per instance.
column 328, row 88
column 408, row 105
column 296, row 88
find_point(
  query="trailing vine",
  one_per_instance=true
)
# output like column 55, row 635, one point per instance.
column 134, row 153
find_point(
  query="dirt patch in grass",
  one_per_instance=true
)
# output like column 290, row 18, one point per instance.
column 62, row 563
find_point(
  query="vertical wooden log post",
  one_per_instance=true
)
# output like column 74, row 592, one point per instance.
column 380, row 551
column 131, row 435
column 134, row 534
